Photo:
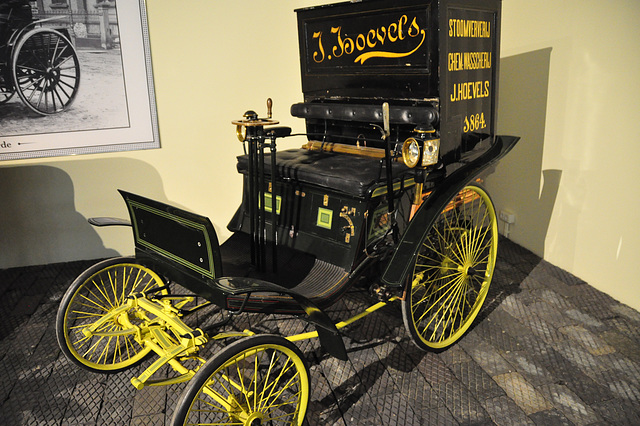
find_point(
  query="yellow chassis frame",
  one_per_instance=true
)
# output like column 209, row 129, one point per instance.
column 165, row 333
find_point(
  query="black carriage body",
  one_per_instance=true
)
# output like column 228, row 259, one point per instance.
column 373, row 73
column 14, row 15
column 434, row 62
column 440, row 54
column 332, row 216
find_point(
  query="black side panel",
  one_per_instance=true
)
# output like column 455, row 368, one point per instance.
column 469, row 58
column 373, row 49
column 179, row 239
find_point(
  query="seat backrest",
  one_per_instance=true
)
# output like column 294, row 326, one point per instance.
column 355, row 123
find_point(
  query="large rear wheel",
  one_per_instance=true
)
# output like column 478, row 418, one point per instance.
column 452, row 271
column 258, row 380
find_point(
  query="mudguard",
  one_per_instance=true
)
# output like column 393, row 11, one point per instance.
column 401, row 262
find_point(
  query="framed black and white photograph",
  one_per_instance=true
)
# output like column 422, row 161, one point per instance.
column 75, row 78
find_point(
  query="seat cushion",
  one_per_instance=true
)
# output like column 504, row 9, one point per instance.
column 350, row 174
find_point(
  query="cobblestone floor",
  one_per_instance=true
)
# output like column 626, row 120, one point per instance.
column 547, row 349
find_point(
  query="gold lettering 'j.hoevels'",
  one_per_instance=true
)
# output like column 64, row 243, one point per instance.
column 373, row 43
column 470, row 90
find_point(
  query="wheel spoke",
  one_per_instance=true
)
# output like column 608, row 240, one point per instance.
column 293, row 380
column 478, row 234
column 436, row 303
column 54, row 54
column 243, row 390
column 276, row 381
column 444, row 308
column 210, row 402
column 266, row 379
column 431, row 291
column 102, row 290
column 433, row 250
column 93, row 303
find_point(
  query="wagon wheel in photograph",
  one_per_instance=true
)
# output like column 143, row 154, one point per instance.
column 452, row 271
column 6, row 84
column 99, row 290
column 46, row 71
column 5, row 93
column 262, row 379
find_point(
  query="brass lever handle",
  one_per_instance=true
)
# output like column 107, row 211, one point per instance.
column 385, row 120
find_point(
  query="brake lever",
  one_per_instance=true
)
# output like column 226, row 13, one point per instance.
column 385, row 129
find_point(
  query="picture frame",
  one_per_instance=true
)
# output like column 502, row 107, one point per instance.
column 115, row 106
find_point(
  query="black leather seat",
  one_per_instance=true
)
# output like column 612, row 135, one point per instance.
column 350, row 174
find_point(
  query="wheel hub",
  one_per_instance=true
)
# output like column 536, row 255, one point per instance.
column 52, row 77
column 240, row 412
column 255, row 419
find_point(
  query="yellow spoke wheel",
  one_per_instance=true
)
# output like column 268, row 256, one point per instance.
column 95, row 293
column 258, row 380
column 452, row 271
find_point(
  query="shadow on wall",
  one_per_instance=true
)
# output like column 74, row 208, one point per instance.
column 39, row 221
column 519, row 184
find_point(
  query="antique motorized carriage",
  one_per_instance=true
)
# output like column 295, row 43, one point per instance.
column 400, row 112
column 37, row 62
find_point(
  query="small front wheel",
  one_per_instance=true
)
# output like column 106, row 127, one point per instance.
column 452, row 271
column 258, row 380
column 96, row 292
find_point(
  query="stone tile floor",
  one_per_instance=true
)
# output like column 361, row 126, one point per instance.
column 547, row 349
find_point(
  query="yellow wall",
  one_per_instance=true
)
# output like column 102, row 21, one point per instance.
column 568, row 86
column 212, row 61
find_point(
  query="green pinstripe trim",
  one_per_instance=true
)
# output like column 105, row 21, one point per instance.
column 408, row 183
column 172, row 256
